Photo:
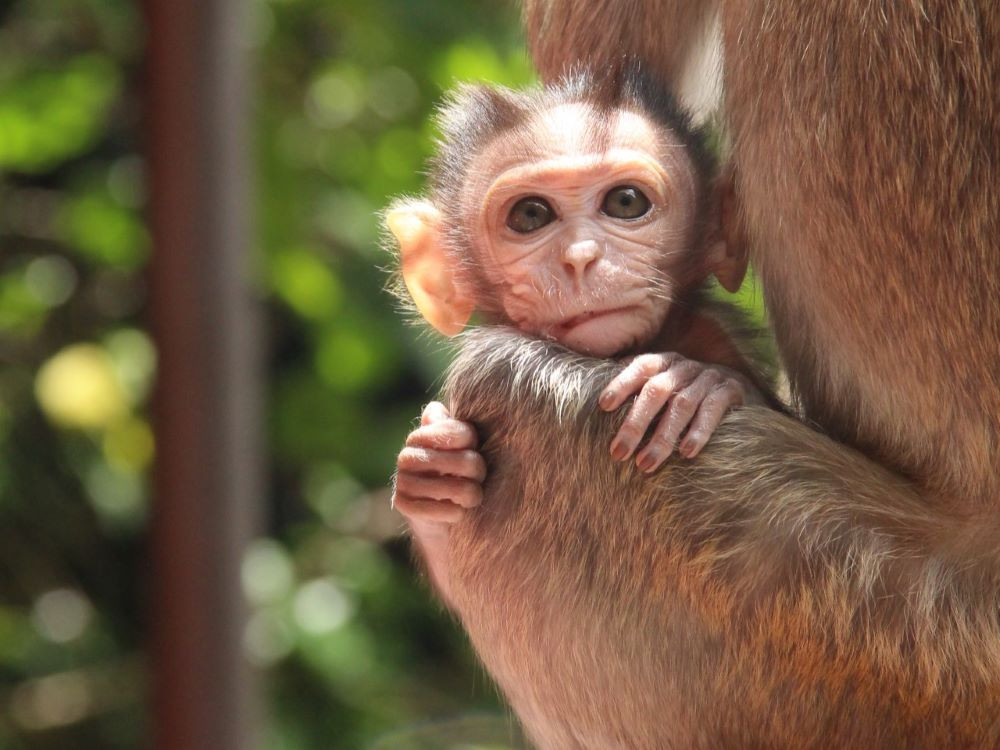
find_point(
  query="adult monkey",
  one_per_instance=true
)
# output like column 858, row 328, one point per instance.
column 866, row 139
column 825, row 602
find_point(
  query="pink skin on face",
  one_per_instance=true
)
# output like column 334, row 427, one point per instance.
column 584, row 278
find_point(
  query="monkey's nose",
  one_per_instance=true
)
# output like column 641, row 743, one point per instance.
column 580, row 256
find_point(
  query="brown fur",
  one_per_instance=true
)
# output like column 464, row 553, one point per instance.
column 865, row 138
column 804, row 599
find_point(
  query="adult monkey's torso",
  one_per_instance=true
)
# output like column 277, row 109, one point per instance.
column 781, row 591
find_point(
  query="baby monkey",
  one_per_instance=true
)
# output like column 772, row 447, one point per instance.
column 589, row 212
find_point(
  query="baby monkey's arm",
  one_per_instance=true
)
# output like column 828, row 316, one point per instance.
column 691, row 396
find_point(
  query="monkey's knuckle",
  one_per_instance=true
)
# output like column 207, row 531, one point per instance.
column 736, row 393
column 647, row 364
column 466, row 456
column 687, row 370
column 464, row 432
column 660, row 385
column 645, row 360
column 414, row 457
column 711, row 377
column 684, row 403
column 473, row 464
column 654, row 391
column 420, row 438
column 730, row 393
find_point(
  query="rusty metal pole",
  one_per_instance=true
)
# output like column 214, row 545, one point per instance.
column 207, row 401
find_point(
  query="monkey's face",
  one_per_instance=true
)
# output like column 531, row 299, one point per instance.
column 584, row 227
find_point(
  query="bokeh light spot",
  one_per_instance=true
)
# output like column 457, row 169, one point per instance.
column 133, row 356
column 336, row 97
column 392, row 93
column 268, row 639
column 267, row 574
column 348, row 217
column 61, row 615
column 51, row 279
column 78, row 387
column 320, row 607
column 119, row 499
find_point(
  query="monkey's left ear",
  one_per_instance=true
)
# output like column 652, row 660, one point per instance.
column 427, row 269
column 728, row 254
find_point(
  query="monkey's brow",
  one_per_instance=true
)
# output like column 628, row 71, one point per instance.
column 594, row 160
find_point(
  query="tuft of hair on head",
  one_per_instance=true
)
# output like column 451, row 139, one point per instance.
column 629, row 86
column 474, row 115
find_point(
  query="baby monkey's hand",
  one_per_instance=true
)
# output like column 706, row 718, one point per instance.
column 439, row 472
column 692, row 396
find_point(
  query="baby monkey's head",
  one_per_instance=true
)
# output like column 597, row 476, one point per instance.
column 579, row 212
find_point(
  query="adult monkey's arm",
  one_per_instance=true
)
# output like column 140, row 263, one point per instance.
column 614, row 28
column 864, row 138
column 782, row 590
column 778, row 591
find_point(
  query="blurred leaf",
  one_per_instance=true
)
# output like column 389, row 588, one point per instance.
column 21, row 310
column 128, row 445
column 103, row 231
column 475, row 59
column 306, row 283
column 49, row 115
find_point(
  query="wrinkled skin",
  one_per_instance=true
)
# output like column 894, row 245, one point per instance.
column 597, row 284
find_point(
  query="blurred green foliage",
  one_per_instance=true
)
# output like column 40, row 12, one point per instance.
column 351, row 647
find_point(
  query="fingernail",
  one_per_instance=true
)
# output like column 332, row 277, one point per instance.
column 607, row 399
column 645, row 462
column 619, row 451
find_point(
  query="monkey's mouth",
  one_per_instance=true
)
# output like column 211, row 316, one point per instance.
column 570, row 323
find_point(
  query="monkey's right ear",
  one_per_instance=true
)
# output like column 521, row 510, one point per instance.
column 428, row 271
column 728, row 252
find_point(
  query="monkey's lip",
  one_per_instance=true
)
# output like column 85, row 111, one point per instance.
column 570, row 323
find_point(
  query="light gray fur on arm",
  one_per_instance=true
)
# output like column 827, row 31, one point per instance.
column 787, row 546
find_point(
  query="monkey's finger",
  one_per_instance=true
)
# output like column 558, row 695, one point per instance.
column 419, row 509
column 467, row 464
column 715, row 406
column 635, row 375
column 678, row 416
column 448, row 435
column 435, row 411
column 650, row 401
column 464, row 492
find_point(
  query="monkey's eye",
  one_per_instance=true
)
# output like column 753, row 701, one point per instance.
column 529, row 214
column 625, row 202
